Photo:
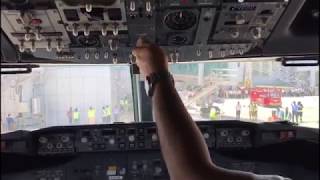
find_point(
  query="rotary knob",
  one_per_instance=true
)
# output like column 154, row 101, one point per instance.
column 154, row 137
column 206, row 135
column 224, row 133
column 65, row 139
column 245, row 133
column 239, row 139
column 43, row 140
column 235, row 34
column 111, row 141
column 131, row 138
column 240, row 19
column 230, row 139
column 59, row 145
column 157, row 170
column 49, row 146
column 256, row 32
column 84, row 140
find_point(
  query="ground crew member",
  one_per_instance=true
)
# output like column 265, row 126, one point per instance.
column 251, row 111
column 76, row 116
column 287, row 115
column 121, row 105
column 255, row 111
column 213, row 114
column 109, row 113
column 238, row 111
column 126, row 104
column 92, row 115
column 274, row 116
column 69, row 115
column 300, row 111
column 10, row 122
column 106, row 114
column 294, row 108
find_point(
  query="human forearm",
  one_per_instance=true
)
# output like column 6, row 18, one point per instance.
column 182, row 144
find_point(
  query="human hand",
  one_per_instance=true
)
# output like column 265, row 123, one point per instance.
column 150, row 58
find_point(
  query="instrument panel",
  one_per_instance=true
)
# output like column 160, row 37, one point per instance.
column 132, row 138
column 130, row 151
column 144, row 137
column 103, row 32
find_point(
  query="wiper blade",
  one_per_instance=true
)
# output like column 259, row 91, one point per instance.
column 17, row 68
column 312, row 60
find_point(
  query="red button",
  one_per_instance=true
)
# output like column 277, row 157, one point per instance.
column 36, row 21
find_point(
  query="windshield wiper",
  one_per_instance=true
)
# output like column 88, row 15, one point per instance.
column 312, row 60
column 17, row 68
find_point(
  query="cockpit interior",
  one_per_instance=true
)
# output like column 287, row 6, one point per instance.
column 74, row 104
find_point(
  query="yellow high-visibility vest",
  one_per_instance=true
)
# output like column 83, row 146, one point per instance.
column 107, row 112
column 213, row 114
column 76, row 115
column 254, row 108
column 91, row 113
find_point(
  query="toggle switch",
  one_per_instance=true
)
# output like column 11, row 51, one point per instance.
column 49, row 46
column 33, row 46
column 104, row 29
column 88, row 7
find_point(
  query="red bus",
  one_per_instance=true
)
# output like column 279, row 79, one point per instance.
column 266, row 96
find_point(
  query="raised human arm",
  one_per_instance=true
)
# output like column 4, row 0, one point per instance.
column 183, row 147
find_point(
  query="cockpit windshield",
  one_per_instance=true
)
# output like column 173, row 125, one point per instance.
column 58, row 95
column 249, row 91
column 255, row 91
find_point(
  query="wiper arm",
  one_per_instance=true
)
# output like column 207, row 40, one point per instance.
column 312, row 60
column 17, row 68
